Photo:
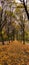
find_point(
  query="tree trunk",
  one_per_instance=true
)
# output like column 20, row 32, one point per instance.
column 1, row 28
column 23, row 34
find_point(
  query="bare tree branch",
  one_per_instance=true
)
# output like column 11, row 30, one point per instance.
column 25, row 8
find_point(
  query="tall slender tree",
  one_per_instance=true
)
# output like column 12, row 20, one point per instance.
column 25, row 6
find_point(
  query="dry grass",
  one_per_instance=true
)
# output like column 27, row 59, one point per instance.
column 15, row 53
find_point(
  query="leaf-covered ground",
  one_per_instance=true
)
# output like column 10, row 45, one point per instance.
column 15, row 53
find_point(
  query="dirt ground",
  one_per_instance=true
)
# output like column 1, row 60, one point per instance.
column 14, row 53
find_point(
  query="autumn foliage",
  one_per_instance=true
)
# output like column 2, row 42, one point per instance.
column 15, row 53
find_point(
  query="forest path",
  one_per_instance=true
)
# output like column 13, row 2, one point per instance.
column 15, row 53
